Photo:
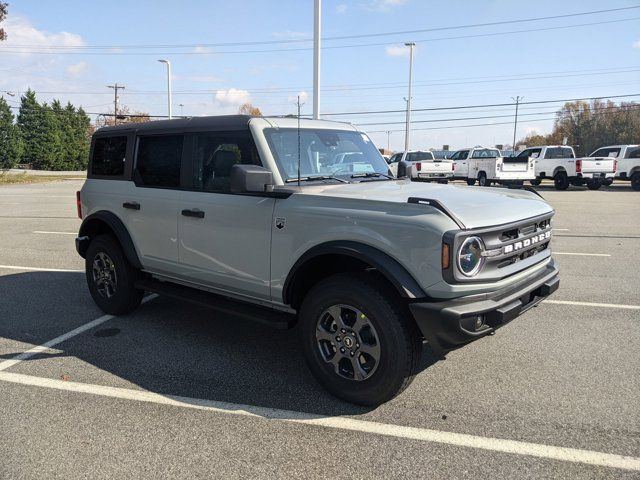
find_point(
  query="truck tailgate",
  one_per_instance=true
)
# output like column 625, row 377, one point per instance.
column 515, row 164
column 598, row 165
column 429, row 168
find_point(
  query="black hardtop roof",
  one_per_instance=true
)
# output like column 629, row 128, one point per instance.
column 219, row 122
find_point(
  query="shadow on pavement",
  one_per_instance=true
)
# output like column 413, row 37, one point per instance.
column 166, row 346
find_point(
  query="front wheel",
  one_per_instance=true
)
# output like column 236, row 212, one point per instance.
column 535, row 182
column 358, row 340
column 635, row 181
column 471, row 181
column 607, row 182
column 110, row 277
column 594, row 185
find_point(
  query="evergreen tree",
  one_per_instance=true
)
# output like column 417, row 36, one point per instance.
column 30, row 118
column 82, row 129
column 52, row 157
column 10, row 141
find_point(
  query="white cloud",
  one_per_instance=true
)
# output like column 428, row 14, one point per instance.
column 77, row 68
column 21, row 32
column 303, row 97
column 636, row 44
column 232, row 97
column 383, row 5
column 200, row 49
column 342, row 8
column 397, row 51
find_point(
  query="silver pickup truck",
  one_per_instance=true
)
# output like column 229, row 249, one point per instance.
column 268, row 219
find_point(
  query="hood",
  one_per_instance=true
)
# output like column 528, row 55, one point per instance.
column 474, row 206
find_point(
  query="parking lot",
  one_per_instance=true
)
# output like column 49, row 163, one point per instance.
column 175, row 391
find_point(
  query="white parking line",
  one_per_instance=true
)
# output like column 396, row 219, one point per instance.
column 592, row 304
column 36, row 269
column 583, row 254
column 55, row 233
column 66, row 336
column 574, row 455
column 561, row 230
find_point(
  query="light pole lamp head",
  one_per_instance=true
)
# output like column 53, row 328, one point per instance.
column 164, row 61
column 410, row 44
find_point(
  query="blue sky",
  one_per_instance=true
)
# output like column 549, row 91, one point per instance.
column 579, row 61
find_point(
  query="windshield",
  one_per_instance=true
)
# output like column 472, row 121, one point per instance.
column 486, row 153
column 323, row 152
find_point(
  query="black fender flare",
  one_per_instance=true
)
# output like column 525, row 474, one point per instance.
column 395, row 273
column 117, row 227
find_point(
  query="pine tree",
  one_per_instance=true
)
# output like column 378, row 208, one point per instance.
column 82, row 129
column 10, row 141
column 30, row 118
column 52, row 157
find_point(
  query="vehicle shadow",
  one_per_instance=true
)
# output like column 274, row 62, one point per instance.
column 166, row 346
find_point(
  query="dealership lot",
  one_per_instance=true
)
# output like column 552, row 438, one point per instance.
column 172, row 391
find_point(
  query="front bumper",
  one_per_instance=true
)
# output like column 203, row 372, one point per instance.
column 450, row 323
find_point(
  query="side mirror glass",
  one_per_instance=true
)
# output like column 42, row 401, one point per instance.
column 250, row 179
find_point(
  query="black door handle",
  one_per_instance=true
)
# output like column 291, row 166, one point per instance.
column 194, row 212
column 131, row 205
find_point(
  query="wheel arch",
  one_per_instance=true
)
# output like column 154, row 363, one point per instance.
column 329, row 258
column 558, row 170
column 106, row 222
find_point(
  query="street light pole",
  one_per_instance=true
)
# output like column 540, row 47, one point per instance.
column 515, row 123
column 317, row 10
column 168, row 85
column 407, row 133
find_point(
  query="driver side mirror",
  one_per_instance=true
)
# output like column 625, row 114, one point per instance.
column 250, row 179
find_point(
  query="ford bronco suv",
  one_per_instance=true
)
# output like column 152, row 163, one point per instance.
column 262, row 218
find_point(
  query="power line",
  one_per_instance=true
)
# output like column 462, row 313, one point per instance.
column 330, row 38
column 280, row 50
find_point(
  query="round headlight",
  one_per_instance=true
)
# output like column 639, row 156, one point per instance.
column 470, row 256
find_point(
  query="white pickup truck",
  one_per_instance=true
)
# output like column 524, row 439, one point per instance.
column 628, row 157
column 487, row 165
column 559, row 162
column 422, row 166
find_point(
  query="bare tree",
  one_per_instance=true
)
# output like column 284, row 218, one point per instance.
column 3, row 14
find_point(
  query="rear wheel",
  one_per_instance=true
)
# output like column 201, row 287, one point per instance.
column 110, row 277
column 482, row 180
column 535, row 182
column 594, row 185
column 607, row 182
column 561, row 181
column 635, row 181
column 358, row 340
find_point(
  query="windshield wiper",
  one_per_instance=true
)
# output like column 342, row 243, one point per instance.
column 312, row 178
column 371, row 175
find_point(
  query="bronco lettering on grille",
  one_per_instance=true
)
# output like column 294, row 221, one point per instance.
column 514, row 247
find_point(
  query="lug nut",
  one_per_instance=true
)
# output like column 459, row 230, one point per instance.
column 357, row 345
column 352, row 353
column 341, row 349
column 338, row 338
column 343, row 330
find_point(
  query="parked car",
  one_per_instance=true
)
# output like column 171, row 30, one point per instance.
column 558, row 162
column 246, row 215
column 487, row 165
column 422, row 166
column 628, row 158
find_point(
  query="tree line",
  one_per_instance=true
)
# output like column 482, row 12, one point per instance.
column 588, row 126
column 45, row 136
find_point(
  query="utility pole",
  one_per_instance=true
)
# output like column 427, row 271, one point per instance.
column 407, row 131
column 317, row 10
column 181, row 105
column 388, row 144
column 168, row 63
column 115, row 87
column 299, row 107
column 515, row 123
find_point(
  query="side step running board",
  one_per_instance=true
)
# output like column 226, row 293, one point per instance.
column 219, row 303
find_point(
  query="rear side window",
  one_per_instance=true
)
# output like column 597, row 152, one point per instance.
column 606, row 152
column 158, row 161
column 109, row 154
column 559, row 152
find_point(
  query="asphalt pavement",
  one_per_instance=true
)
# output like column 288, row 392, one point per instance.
column 177, row 391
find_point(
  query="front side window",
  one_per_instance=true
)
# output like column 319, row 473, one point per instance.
column 634, row 153
column 395, row 158
column 109, row 155
column 464, row 154
column 486, row 153
column 214, row 156
column 321, row 152
column 158, row 161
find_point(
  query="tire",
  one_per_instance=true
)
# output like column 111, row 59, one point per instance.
column 471, row 181
column 482, row 180
column 607, row 182
column 443, row 182
column 635, row 181
column 561, row 181
column 594, row 185
column 117, row 294
column 388, row 332
column 535, row 182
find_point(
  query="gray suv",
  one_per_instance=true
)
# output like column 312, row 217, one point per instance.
column 290, row 221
